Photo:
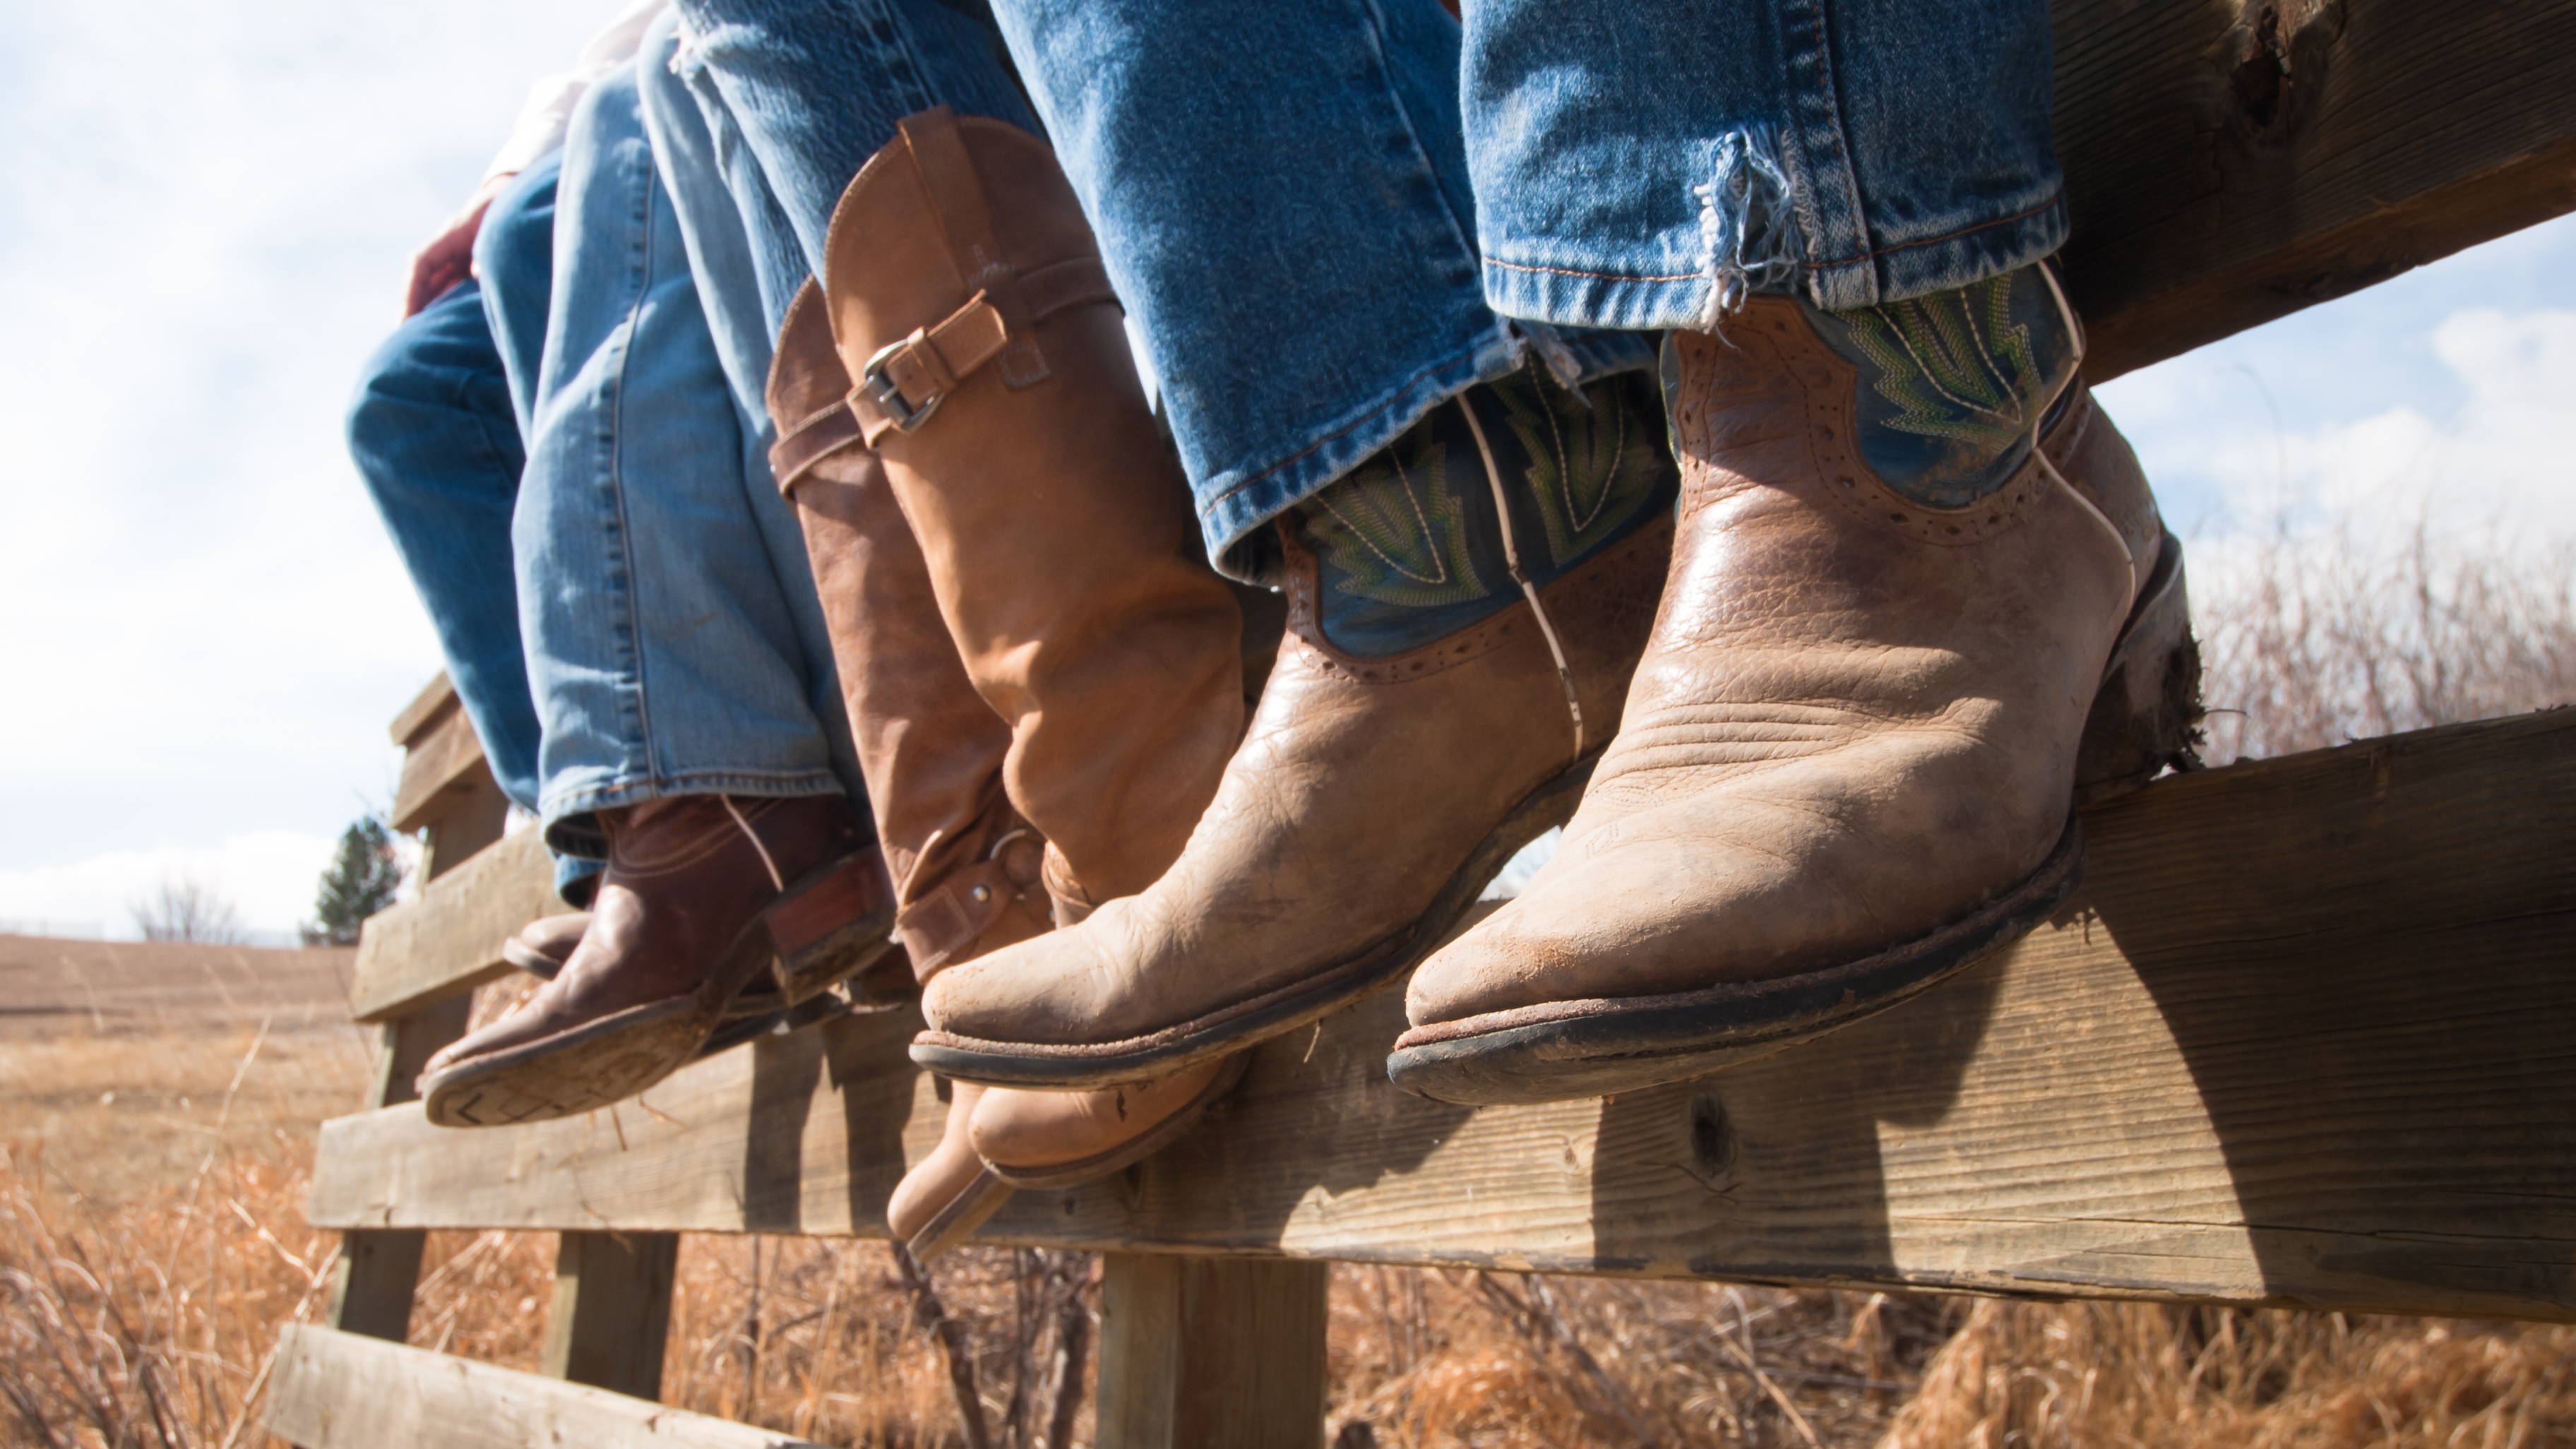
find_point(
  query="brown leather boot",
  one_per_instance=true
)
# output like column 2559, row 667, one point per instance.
column 702, row 895
column 967, row 297
column 542, row 946
column 967, row 865
column 1368, row 806
column 1851, row 759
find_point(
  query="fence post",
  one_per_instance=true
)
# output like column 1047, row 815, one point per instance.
column 1211, row 1353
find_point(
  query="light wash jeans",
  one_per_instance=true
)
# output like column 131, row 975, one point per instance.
column 1328, row 216
column 674, row 642
column 433, row 434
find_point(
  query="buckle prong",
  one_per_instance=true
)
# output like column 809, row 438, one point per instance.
column 889, row 398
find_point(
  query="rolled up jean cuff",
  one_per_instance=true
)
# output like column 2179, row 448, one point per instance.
column 571, row 819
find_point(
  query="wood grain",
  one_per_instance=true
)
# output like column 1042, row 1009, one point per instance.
column 343, row 1391
column 1211, row 1353
column 441, row 760
column 612, row 1311
column 449, row 940
column 2232, row 161
column 434, row 697
column 2300, row 1039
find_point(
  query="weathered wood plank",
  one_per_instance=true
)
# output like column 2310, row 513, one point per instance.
column 435, row 696
column 342, row 1391
column 612, row 1311
column 1211, row 1353
column 442, row 759
column 449, row 940
column 2300, row 1039
column 2232, row 161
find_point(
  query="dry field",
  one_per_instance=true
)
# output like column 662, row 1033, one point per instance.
column 156, row 1106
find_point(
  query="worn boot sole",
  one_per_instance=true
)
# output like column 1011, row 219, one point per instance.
column 1088, row 1067
column 1127, row 1154
column 992, row 1187
column 967, row 1211
column 2142, row 720
column 613, row 1057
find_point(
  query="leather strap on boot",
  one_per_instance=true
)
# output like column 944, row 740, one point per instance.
column 904, row 382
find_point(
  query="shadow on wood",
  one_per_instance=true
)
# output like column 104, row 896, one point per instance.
column 2299, row 1039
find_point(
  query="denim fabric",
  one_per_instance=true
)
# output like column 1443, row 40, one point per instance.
column 1283, row 198
column 1616, row 149
column 430, row 431
column 1316, row 211
column 815, row 87
column 663, row 644
column 737, row 273
column 514, row 259
column 747, row 274
column 434, row 435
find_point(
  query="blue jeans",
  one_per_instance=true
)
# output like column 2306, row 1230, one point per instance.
column 431, row 433
column 673, row 638
column 814, row 88
column 1327, row 217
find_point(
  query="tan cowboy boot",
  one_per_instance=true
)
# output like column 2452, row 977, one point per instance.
column 1464, row 612
column 966, row 863
column 995, row 381
column 1852, row 757
column 702, row 895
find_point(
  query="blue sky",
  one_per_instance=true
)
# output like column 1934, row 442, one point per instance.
column 205, row 632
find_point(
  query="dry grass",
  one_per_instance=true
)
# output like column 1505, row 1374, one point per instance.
column 2203, row 1378
column 2313, row 640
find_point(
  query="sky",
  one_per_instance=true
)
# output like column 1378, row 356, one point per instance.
column 204, row 633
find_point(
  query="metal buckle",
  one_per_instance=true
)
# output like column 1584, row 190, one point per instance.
column 889, row 398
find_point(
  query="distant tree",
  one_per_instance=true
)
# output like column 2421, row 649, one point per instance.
column 186, row 909
column 361, row 881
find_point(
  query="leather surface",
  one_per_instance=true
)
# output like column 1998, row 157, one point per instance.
column 683, row 881
column 1360, row 788
column 930, row 750
column 933, row 754
column 1858, row 719
column 1055, row 523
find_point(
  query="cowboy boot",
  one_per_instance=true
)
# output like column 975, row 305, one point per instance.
column 1921, row 609
column 701, row 896
column 967, row 865
column 1464, row 610
column 995, row 382
column 542, row 946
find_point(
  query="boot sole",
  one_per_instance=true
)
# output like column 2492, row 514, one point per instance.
column 968, row 1210
column 1127, row 1154
column 613, row 1057
column 2140, row 722
column 1089, row 1067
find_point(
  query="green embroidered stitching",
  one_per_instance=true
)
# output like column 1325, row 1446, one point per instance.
column 1946, row 377
column 1591, row 468
column 1382, row 538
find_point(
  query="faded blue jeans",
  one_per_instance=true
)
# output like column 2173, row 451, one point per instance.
column 433, row 435
column 1326, row 217
column 674, row 641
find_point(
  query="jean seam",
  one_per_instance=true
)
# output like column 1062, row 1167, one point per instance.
column 1822, row 150
column 1462, row 234
column 636, row 698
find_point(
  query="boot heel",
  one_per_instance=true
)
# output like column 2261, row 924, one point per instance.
column 836, row 921
column 2147, row 714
